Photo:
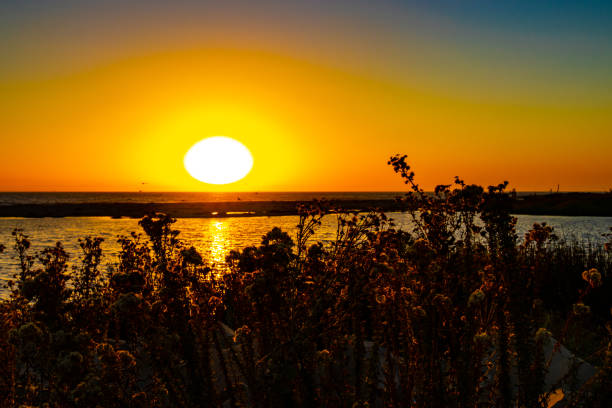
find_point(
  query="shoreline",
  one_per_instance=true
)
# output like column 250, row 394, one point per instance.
column 567, row 204
column 182, row 210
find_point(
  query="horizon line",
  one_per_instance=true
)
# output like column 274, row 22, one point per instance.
column 549, row 191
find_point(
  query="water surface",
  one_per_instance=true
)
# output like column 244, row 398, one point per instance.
column 214, row 238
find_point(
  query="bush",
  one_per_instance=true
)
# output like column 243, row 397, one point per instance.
column 454, row 312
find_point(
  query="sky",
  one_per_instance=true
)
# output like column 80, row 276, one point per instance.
column 108, row 95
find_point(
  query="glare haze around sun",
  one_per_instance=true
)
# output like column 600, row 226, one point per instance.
column 218, row 160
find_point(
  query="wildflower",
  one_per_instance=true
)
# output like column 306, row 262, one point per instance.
column 139, row 399
column 324, row 355
column 476, row 297
column 421, row 246
column 126, row 359
column 482, row 338
column 105, row 349
column 419, row 311
column 580, row 309
column 441, row 300
column 241, row 334
column 214, row 302
column 542, row 334
column 593, row 277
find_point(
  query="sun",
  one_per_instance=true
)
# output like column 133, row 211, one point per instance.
column 218, row 160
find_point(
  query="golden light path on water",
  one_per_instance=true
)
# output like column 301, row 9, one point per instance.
column 220, row 242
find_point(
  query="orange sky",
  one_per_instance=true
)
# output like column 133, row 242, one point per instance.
column 320, row 107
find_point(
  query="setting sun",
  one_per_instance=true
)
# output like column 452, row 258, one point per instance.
column 305, row 203
column 218, row 160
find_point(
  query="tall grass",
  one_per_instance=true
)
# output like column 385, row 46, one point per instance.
column 452, row 313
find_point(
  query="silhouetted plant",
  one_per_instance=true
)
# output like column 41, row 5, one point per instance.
column 452, row 312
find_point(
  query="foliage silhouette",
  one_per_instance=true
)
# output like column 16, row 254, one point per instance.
column 454, row 312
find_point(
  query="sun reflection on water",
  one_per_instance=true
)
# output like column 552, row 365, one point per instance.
column 219, row 243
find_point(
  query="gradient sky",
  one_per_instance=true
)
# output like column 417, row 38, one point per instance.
column 106, row 95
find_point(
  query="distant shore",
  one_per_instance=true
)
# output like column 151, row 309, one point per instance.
column 182, row 210
column 570, row 204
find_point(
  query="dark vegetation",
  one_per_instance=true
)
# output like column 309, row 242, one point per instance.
column 574, row 204
column 453, row 313
column 181, row 210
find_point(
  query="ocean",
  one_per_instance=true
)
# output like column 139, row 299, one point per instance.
column 215, row 237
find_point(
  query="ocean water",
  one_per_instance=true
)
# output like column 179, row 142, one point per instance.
column 214, row 238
